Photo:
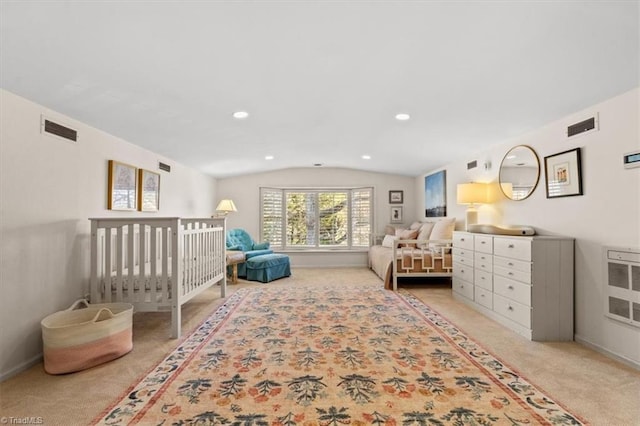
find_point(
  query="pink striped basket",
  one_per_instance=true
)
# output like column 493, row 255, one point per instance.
column 82, row 337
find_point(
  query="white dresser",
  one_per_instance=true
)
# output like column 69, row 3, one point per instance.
column 524, row 283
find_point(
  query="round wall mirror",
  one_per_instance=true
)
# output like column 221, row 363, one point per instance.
column 519, row 172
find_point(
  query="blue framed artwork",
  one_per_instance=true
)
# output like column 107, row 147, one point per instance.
column 435, row 194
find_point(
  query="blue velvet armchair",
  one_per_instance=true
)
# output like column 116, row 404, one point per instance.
column 239, row 239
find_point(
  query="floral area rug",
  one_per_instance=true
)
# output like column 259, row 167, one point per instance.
column 331, row 356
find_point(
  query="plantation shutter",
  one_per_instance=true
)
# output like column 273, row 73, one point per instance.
column 272, row 216
column 361, row 217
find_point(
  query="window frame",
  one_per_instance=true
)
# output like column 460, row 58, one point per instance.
column 284, row 191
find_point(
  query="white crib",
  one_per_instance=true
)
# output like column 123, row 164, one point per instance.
column 156, row 264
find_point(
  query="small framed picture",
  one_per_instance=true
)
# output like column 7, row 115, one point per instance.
column 123, row 186
column 563, row 174
column 396, row 197
column 149, row 192
column 396, row 214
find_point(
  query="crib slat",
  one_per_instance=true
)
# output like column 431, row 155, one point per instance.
column 108, row 265
column 94, row 278
column 142, row 261
column 165, row 264
column 153, row 258
column 119, row 262
column 131, row 264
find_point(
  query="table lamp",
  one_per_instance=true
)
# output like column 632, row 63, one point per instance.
column 225, row 206
column 472, row 193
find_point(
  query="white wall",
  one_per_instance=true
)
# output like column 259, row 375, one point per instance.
column 49, row 188
column 607, row 214
column 245, row 192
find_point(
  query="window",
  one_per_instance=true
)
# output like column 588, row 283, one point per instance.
column 316, row 218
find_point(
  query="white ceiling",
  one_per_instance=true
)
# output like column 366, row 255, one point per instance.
column 322, row 80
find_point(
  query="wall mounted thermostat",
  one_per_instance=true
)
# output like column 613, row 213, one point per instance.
column 631, row 159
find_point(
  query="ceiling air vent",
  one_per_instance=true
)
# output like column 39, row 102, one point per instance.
column 56, row 129
column 583, row 126
column 164, row 167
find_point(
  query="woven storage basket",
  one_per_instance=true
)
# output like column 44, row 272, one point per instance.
column 76, row 339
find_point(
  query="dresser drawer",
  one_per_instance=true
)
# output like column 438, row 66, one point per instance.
column 524, row 277
column 467, row 261
column 483, row 261
column 518, row 265
column 462, row 271
column 462, row 287
column 483, row 279
column 512, row 310
column 463, row 240
column 513, row 290
column 461, row 252
column 512, row 247
column 483, row 243
column 483, row 297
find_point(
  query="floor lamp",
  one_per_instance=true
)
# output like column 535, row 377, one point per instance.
column 472, row 193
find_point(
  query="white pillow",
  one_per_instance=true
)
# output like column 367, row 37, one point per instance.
column 425, row 233
column 389, row 241
column 442, row 230
column 415, row 225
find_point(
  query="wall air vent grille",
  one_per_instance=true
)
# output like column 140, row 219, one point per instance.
column 164, row 167
column 56, row 129
column 583, row 126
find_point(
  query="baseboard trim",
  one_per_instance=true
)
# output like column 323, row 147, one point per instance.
column 20, row 368
column 631, row 363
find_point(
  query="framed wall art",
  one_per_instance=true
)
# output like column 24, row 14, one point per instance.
column 563, row 174
column 122, row 187
column 149, row 191
column 396, row 214
column 435, row 194
column 396, row 197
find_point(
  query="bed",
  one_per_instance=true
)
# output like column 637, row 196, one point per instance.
column 156, row 264
column 422, row 250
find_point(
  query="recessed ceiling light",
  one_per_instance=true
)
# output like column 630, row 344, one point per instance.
column 240, row 114
column 268, row 157
column 366, row 157
column 402, row 116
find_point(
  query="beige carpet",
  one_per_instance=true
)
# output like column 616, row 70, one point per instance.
column 590, row 385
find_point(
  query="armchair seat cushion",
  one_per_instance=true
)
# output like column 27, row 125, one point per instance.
column 254, row 253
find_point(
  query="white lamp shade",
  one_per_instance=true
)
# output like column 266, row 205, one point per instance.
column 226, row 206
column 473, row 193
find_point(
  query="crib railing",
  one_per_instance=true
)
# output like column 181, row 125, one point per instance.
column 156, row 264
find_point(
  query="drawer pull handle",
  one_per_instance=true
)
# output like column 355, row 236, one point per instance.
column 510, row 273
column 510, row 287
column 483, row 242
column 511, row 246
column 510, row 264
column 461, row 239
column 510, row 308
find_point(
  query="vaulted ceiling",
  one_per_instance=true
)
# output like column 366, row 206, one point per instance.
column 321, row 80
